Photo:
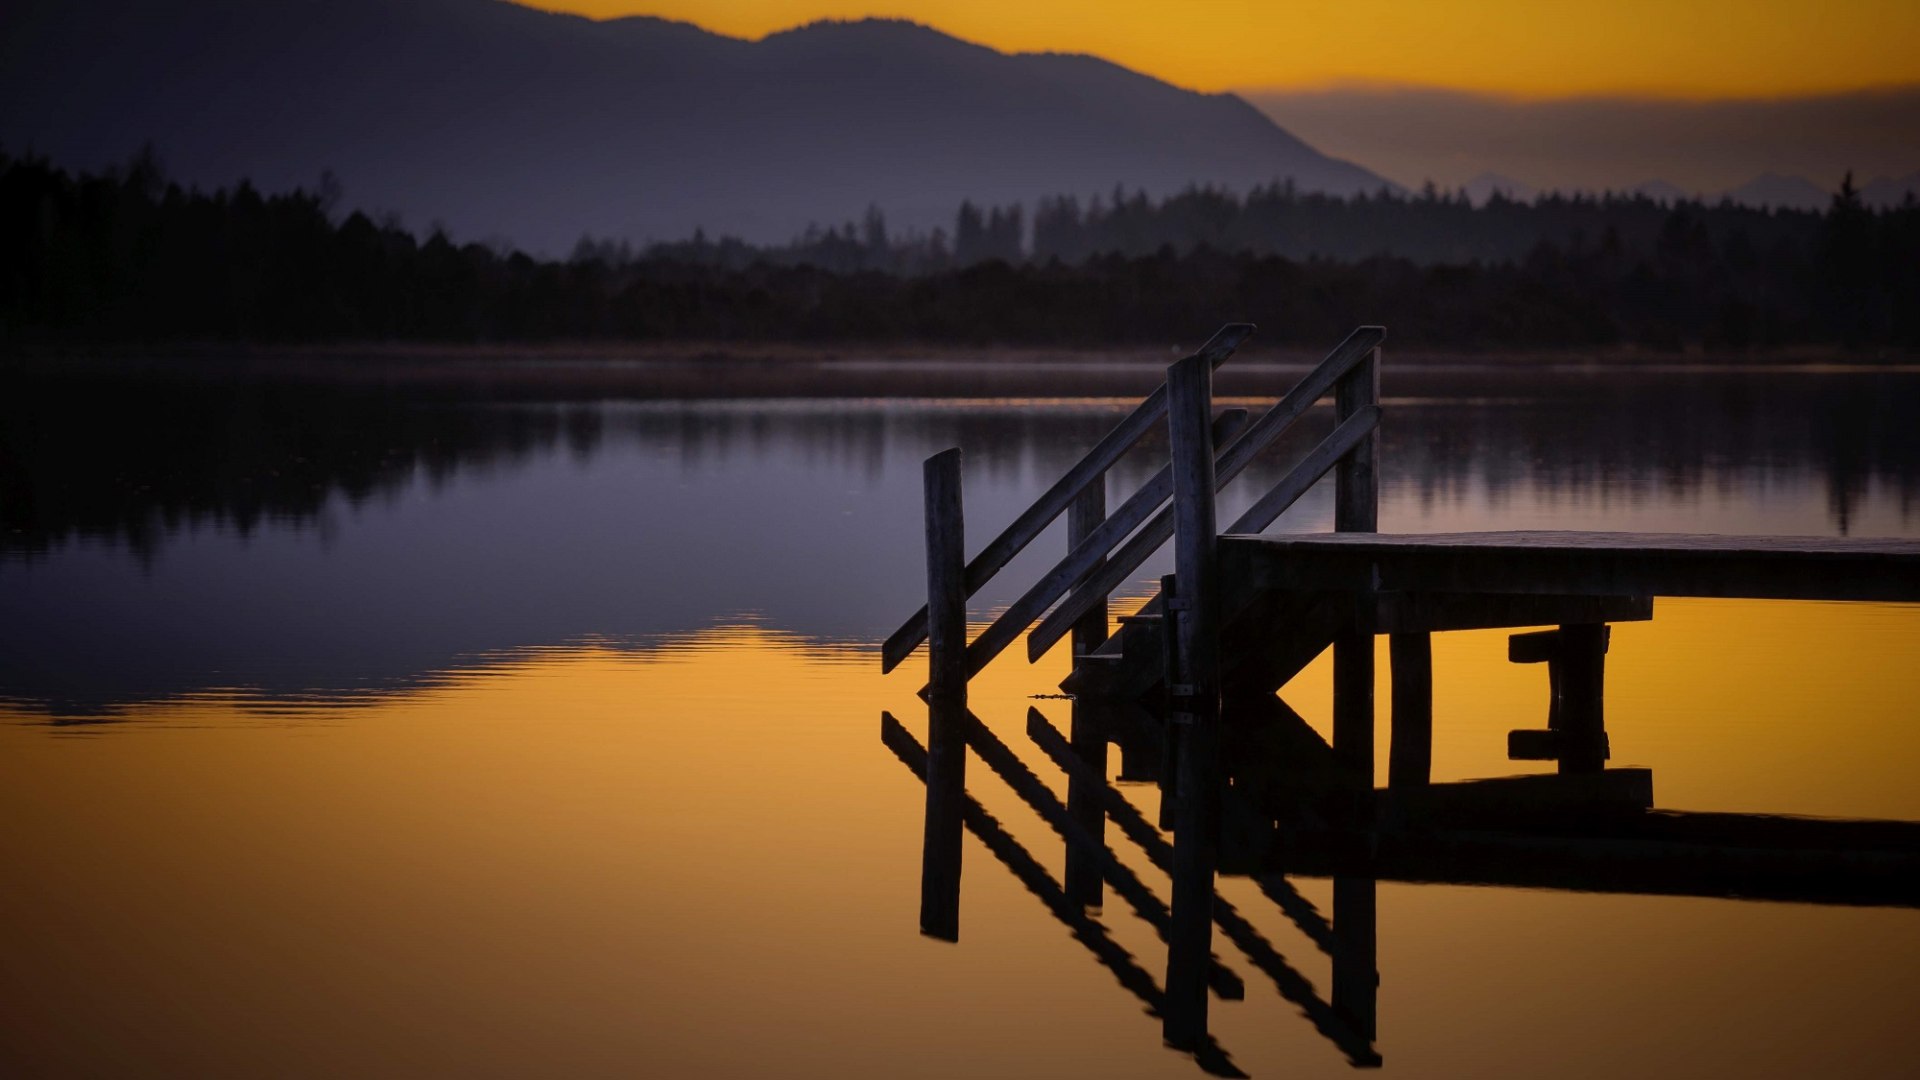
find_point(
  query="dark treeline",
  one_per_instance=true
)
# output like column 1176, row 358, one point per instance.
column 127, row 256
column 1432, row 227
column 137, row 459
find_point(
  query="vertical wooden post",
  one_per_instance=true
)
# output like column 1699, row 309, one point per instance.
column 1356, row 975
column 1580, row 712
column 1410, row 753
column 946, row 588
column 1192, row 613
column 946, row 698
column 1170, row 742
column 1356, row 508
column 1193, row 616
column 1088, row 740
column 1085, row 514
column 1084, row 878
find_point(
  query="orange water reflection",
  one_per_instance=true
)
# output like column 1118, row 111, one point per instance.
column 696, row 859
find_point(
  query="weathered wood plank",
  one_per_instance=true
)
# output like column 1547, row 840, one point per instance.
column 1031, row 522
column 1566, row 563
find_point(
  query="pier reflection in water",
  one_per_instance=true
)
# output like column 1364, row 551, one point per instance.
column 498, row 727
column 1279, row 805
column 686, row 855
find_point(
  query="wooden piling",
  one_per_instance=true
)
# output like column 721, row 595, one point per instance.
column 946, row 585
column 1581, row 713
column 1087, row 742
column 1194, row 615
column 1356, row 508
column 1356, row 974
column 1084, row 515
column 1194, row 693
column 1410, row 751
column 946, row 698
column 1084, row 881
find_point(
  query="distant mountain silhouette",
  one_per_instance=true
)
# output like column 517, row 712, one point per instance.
column 503, row 121
column 1781, row 192
column 1889, row 191
column 1488, row 184
column 1661, row 191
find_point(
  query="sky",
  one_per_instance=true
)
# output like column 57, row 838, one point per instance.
column 1527, row 48
column 1703, row 147
column 1702, row 94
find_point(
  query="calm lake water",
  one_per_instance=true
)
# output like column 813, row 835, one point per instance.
column 524, row 720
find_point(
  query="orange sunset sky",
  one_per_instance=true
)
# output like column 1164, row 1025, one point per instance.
column 1696, row 49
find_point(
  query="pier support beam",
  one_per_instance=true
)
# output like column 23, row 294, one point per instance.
column 1356, row 974
column 1582, row 717
column 1356, row 508
column 1410, row 752
column 1193, row 679
column 1576, row 734
column 1089, row 742
column 946, row 696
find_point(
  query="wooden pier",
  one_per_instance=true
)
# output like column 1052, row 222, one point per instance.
column 1186, row 691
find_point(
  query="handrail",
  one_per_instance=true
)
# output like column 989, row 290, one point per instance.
column 1229, row 464
column 1338, row 444
column 1257, row 517
column 1054, row 501
column 1082, row 561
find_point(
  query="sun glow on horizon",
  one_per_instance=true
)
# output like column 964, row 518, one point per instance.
column 1699, row 49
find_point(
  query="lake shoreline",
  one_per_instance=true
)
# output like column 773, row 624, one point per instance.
column 221, row 355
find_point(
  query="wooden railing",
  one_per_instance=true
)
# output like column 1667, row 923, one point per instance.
column 1106, row 550
column 1088, row 471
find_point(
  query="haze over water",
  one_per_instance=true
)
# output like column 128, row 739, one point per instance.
column 365, row 721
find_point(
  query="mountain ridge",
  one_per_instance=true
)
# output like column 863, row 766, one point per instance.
column 536, row 128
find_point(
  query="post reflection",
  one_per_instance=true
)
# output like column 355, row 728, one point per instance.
column 1187, row 929
column 1263, row 797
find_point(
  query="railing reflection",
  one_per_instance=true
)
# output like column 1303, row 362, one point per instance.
column 1346, row 1021
column 1284, row 808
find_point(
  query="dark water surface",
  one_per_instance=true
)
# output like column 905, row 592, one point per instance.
column 508, row 719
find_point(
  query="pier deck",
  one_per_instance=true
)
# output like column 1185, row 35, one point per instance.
column 1188, row 689
column 1579, row 563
